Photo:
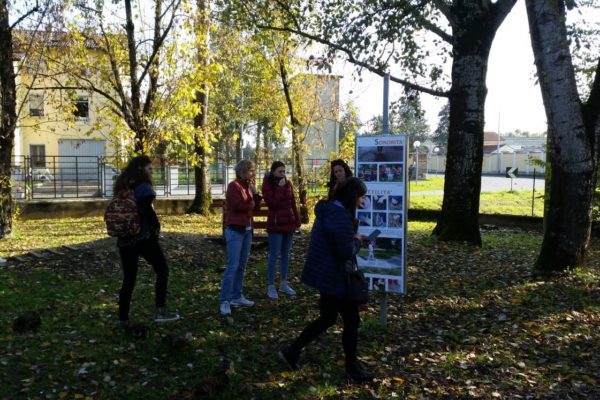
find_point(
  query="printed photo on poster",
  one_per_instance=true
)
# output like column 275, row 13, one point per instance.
column 379, row 219
column 394, row 285
column 395, row 203
column 367, row 172
column 381, row 256
column 380, row 153
column 365, row 219
column 395, row 220
column 379, row 202
column 366, row 203
column 390, row 173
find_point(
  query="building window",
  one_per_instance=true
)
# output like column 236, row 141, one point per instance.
column 36, row 105
column 38, row 155
column 81, row 107
column 35, row 67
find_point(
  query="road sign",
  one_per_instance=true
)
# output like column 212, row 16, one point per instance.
column 512, row 172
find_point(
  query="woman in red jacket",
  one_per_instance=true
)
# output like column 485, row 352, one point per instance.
column 241, row 201
column 282, row 221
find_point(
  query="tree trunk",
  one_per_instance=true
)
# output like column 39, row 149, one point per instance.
column 296, row 146
column 141, row 143
column 266, row 144
column 8, row 120
column 568, row 218
column 202, row 199
column 238, row 144
column 474, row 29
column 459, row 219
column 258, row 144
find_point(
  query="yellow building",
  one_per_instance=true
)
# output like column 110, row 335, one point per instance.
column 60, row 127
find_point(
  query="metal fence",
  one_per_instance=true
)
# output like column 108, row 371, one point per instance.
column 58, row 177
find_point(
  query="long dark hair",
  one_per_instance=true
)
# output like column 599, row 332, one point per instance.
column 133, row 174
column 271, row 178
column 349, row 192
column 332, row 178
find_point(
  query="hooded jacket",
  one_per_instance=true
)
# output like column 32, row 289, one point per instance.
column 332, row 243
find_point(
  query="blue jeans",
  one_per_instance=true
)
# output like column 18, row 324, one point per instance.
column 238, row 251
column 279, row 244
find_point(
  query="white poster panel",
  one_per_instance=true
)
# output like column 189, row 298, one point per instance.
column 381, row 164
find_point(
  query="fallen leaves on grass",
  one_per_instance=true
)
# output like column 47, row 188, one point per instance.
column 474, row 324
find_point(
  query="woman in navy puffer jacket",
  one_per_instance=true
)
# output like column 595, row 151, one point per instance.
column 333, row 241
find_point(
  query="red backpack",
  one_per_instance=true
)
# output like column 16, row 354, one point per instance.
column 121, row 215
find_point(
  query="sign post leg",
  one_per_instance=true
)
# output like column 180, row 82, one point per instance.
column 383, row 311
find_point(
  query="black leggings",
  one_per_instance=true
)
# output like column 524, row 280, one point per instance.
column 330, row 307
column 153, row 254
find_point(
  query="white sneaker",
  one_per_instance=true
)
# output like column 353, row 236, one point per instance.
column 272, row 292
column 285, row 288
column 241, row 302
column 225, row 308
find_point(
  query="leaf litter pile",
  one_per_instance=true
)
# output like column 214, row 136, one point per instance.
column 475, row 323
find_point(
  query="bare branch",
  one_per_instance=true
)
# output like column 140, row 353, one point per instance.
column 158, row 46
column 501, row 10
column 445, row 9
column 438, row 31
column 355, row 61
column 24, row 16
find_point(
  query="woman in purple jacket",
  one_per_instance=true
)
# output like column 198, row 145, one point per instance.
column 282, row 221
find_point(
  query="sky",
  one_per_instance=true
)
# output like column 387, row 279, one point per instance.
column 513, row 102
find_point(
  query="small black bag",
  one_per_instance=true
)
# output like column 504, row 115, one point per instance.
column 357, row 287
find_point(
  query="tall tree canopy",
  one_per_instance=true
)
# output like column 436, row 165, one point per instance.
column 384, row 37
column 132, row 64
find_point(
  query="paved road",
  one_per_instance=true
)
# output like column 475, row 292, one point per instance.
column 496, row 184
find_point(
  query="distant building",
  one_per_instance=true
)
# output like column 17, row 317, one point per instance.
column 491, row 142
column 322, row 134
column 56, row 125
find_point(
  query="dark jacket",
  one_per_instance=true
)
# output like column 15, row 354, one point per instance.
column 149, row 224
column 332, row 243
column 144, row 196
column 283, row 213
column 238, row 203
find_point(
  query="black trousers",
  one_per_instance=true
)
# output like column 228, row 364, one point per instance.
column 330, row 307
column 150, row 250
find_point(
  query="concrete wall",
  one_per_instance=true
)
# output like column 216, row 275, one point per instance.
column 43, row 209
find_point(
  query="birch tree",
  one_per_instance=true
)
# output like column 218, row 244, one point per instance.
column 573, row 137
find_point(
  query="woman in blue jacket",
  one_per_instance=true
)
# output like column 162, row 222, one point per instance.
column 333, row 241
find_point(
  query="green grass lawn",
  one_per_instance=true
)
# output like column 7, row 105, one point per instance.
column 474, row 323
column 517, row 202
column 432, row 183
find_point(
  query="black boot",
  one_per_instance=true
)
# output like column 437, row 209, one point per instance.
column 356, row 372
column 290, row 357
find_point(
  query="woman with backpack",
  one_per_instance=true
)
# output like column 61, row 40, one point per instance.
column 282, row 221
column 333, row 242
column 137, row 177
